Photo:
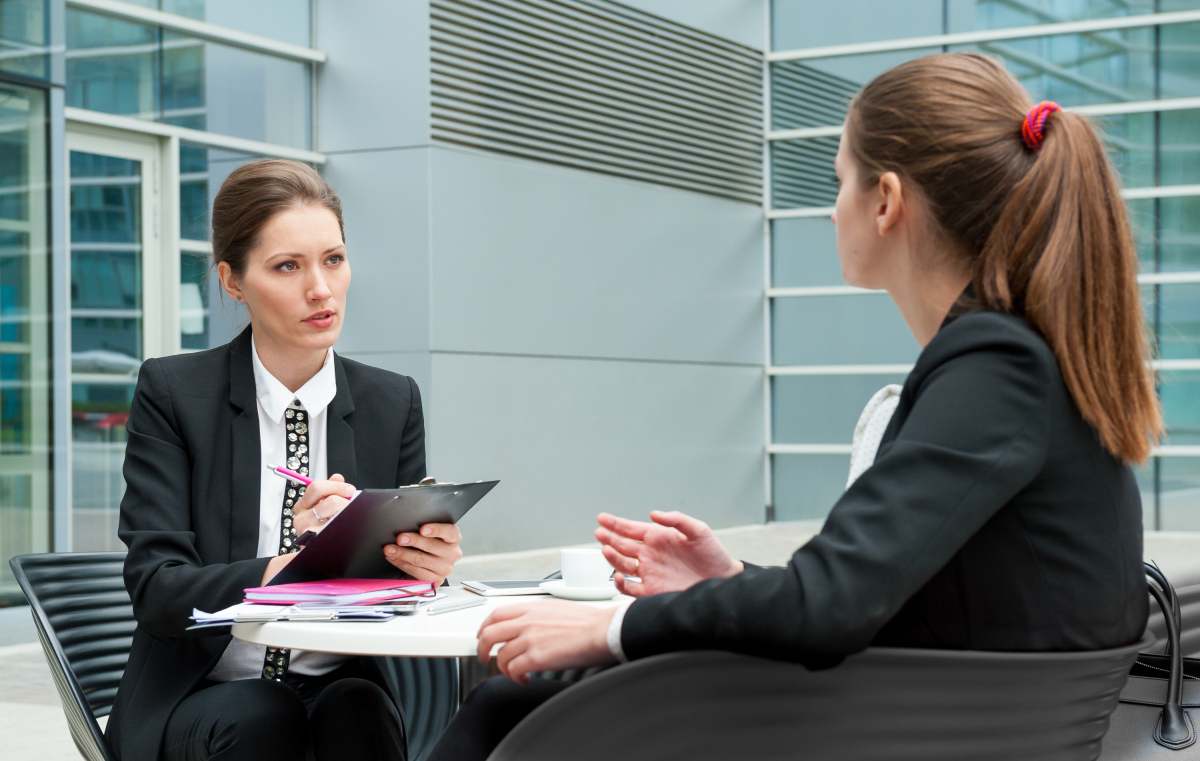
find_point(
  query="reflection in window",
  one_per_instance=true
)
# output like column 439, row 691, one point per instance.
column 106, row 336
column 1154, row 149
column 193, row 300
column 120, row 67
column 24, row 315
column 23, row 38
column 1170, row 489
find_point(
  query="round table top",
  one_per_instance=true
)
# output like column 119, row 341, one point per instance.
column 446, row 635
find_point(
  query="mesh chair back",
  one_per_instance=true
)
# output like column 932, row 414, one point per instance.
column 85, row 621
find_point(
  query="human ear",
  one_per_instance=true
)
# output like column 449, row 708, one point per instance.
column 229, row 282
column 890, row 210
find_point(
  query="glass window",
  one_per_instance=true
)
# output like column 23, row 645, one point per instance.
column 822, row 409
column 1148, row 150
column 806, row 486
column 802, row 172
column 123, row 68
column 24, row 36
column 106, row 336
column 805, row 24
column 840, row 330
column 24, row 330
column 1157, row 148
column 201, row 172
column 1173, row 312
column 803, row 95
column 282, row 20
column 1167, row 231
column 1002, row 14
column 193, row 192
column 1170, row 489
column 804, row 253
column 1073, row 69
column 1180, row 392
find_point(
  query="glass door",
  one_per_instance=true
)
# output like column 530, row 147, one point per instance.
column 115, row 255
column 25, row 438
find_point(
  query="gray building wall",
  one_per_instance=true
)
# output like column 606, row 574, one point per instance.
column 595, row 343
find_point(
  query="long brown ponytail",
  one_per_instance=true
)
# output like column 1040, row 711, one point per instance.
column 1046, row 230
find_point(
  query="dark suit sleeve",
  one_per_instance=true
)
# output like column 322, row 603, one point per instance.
column 163, row 571
column 974, row 437
column 410, row 468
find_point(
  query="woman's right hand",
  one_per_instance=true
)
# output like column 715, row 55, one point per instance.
column 669, row 555
column 328, row 497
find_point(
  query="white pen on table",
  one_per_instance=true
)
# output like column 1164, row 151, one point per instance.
column 449, row 605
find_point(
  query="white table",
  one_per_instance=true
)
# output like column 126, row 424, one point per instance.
column 447, row 635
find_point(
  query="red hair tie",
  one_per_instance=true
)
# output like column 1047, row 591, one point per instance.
column 1035, row 122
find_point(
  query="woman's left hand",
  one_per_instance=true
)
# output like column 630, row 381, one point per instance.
column 429, row 555
column 545, row 636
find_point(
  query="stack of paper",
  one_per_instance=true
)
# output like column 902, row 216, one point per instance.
column 340, row 592
column 256, row 613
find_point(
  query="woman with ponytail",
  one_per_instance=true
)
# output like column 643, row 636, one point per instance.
column 1001, row 511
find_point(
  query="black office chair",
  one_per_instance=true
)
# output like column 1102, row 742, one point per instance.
column 85, row 622
column 905, row 704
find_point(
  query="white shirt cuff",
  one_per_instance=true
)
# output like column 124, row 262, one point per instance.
column 613, row 638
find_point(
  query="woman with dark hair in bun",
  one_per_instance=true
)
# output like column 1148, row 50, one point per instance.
column 203, row 518
column 1001, row 511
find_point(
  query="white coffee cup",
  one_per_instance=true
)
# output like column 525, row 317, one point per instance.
column 585, row 568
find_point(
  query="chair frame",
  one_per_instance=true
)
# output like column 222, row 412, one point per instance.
column 902, row 704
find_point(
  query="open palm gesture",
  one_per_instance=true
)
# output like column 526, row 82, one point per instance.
column 670, row 554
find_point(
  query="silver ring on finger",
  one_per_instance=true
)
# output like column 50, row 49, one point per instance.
column 318, row 515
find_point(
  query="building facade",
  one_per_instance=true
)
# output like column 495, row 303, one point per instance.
column 596, row 233
column 553, row 215
column 1133, row 66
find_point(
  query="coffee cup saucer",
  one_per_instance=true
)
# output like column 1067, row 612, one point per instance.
column 559, row 588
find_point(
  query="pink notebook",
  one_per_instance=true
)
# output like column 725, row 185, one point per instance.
column 340, row 591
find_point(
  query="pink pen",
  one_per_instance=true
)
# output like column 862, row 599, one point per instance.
column 285, row 473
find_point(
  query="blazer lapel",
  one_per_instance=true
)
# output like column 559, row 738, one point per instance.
column 247, row 452
column 339, row 434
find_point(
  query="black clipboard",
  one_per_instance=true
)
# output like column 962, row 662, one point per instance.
column 351, row 546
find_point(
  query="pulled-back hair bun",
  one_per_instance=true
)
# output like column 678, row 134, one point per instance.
column 255, row 192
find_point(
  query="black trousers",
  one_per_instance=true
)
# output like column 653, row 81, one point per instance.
column 489, row 713
column 340, row 715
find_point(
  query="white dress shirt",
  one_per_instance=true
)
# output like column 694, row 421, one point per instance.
column 243, row 660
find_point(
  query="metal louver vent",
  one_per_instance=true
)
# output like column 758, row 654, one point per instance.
column 599, row 86
column 802, row 170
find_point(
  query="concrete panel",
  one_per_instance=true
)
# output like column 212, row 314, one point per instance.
column 530, row 258
column 385, row 205
column 742, row 21
column 373, row 92
column 571, row 438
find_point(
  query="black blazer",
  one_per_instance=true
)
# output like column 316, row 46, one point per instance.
column 191, row 509
column 992, row 519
